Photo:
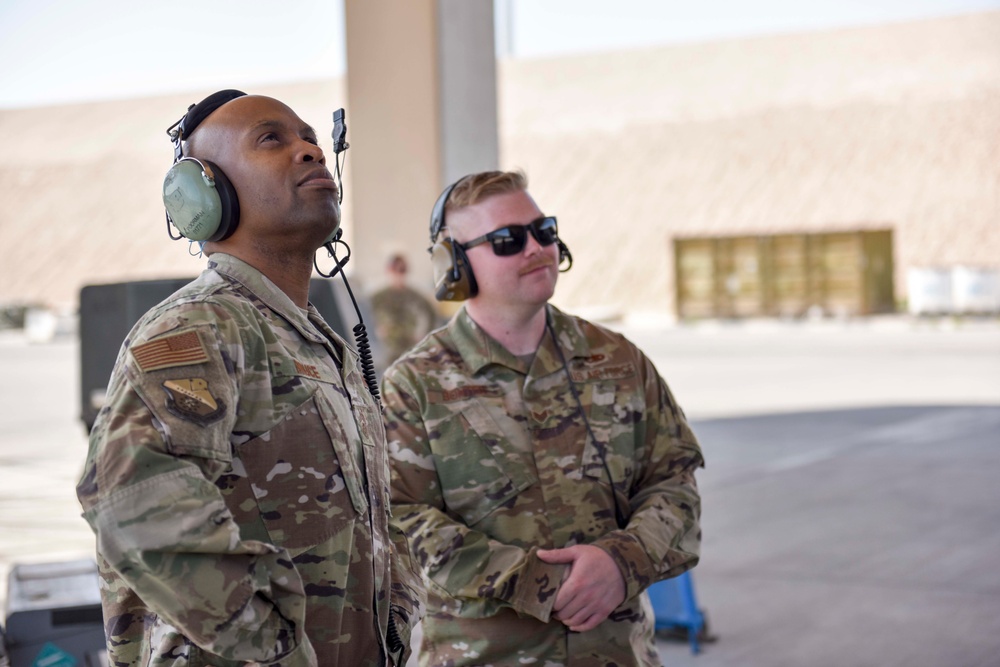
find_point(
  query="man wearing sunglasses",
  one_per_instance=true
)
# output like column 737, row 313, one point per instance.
column 540, row 467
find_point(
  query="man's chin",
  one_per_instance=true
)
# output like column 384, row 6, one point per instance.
column 540, row 296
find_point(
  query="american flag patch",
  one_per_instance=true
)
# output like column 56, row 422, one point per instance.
column 181, row 349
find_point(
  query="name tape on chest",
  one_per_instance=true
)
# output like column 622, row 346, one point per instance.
column 309, row 370
column 582, row 373
column 462, row 393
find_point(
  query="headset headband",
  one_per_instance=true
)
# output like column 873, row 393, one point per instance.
column 437, row 214
column 197, row 113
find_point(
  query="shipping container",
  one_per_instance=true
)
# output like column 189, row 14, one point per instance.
column 784, row 275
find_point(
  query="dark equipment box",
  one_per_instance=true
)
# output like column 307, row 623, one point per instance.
column 53, row 616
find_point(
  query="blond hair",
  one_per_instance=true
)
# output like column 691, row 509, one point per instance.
column 474, row 188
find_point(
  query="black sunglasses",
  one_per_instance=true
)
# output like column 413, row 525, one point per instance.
column 511, row 239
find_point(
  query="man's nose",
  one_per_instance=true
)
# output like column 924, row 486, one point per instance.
column 531, row 244
column 310, row 152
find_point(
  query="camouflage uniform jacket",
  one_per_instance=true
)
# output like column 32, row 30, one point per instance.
column 237, row 483
column 491, row 460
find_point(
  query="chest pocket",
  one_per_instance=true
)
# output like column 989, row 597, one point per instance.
column 613, row 420
column 376, row 461
column 479, row 470
column 303, row 472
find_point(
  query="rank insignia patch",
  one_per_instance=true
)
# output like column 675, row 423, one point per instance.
column 181, row 349
column 191, row 399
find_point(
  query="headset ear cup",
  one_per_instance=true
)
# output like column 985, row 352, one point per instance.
column 453, row 278
column 200, row 200
column 229, row 201
column 191, row 200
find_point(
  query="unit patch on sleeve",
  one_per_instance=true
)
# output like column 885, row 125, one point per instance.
column 190, row 399
column 181, row 349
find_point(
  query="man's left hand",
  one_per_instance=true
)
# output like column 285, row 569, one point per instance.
column 593, row 589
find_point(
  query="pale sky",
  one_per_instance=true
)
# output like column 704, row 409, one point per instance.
column 59, row 51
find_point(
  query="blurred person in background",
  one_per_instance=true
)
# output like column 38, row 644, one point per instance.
column 403, row 316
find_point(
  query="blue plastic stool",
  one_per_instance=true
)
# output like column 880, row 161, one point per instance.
column 675, row 605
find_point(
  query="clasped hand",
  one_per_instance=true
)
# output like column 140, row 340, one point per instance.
column 593, row 589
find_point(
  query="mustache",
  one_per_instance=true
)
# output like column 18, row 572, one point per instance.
column 536, row 264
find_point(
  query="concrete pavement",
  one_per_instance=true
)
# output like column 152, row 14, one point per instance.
column 851, row 537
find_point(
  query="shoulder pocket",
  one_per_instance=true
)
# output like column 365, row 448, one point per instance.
column 613, row 421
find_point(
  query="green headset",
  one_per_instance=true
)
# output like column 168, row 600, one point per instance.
column 199, row 200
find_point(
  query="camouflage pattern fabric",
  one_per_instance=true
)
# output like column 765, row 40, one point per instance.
column 402, row 317
column 237, row 484
column 491, row 460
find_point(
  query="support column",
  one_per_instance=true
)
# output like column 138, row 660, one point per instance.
column 422, row 111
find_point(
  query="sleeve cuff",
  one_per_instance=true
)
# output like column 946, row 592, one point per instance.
column 631, row 558
column 536, row 588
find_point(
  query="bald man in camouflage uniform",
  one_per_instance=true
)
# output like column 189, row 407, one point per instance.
column 237, row 480
column 508, row 429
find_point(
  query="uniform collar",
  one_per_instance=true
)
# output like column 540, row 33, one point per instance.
column 479, row 350
column 273, row 297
